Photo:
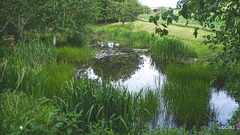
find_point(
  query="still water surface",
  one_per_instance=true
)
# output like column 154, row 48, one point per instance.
column 135, row 69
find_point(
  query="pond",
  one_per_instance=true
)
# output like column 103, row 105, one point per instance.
column 135, row 69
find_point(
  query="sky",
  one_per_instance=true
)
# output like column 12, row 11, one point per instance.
column 159, row 3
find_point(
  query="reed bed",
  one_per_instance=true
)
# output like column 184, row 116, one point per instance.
column 140, row 39
column 187, row 94
column 150, row 104
column 164, row 48
column 122, row 110
column 74, row 54
column 171, row 48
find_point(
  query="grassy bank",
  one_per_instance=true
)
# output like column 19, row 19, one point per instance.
column 165, row 48
column 181, row 22
column 179, row 32
column 39, row 95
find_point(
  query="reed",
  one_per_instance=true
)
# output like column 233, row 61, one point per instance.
column 187, row 94
column 140, row 39
column 150, row 104
column 102, row 102
column 74, row 54
column 56, row 75
column 36, row 53
column 171, row 48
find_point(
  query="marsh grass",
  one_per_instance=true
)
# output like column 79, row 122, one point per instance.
column 56, row 75
column 74, row 54
column 150, row 104
column 140, row 39
column 171, row 48
column 103, row 102
column 187, row 94
column 36, row 53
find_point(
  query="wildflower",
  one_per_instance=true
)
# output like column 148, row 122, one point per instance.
column 237, row 119
column 56, row 112
column 34, row 114
column 21, row 127
column 174, row 37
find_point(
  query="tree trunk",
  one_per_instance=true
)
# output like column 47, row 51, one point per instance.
column 55, row 38
column 20, row 29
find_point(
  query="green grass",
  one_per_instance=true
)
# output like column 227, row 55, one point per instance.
column 182, row 21
column 150, row 104
column 74, row 54
column 187, row 94
column 179, row 32
column 171, row 48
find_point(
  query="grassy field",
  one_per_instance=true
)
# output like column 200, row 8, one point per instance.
column 182, row 21
column 179, row 32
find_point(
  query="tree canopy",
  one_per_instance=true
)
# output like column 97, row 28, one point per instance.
column 59, row 15
column 227, row 12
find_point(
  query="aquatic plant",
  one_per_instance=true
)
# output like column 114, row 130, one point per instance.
column 140, row 39
column 102, row 102
column 171, row 48
column 150, row 104
column 187, row 94
column 74, row 53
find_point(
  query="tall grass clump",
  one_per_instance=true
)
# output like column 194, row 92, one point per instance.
column 170, row 48
column 74, row 54
column 150, row 104
column 102, row 102
column 36, row 53
column 24, row 67
column 187, row 94
column 56, row 75
column 140, row 39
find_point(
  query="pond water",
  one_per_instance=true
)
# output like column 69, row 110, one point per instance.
column 135, row 69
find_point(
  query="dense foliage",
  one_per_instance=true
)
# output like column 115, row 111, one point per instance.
column 225, row 11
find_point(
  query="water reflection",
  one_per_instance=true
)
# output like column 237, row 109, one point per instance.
column 146, row 76
column 135, row 69
column 224, row 104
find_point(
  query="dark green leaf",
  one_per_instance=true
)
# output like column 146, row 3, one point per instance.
column 151, row 19
column 165, row 26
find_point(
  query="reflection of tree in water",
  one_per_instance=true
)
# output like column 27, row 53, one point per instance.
column 117, row 66
column 160, row 65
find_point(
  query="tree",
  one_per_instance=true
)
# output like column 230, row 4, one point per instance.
column 206, row 12
column 19, row 12
column 133, row 10
column 68, row 16
column 167, row 16
column 146, row 9
column 162, row 9
column 113, row 10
